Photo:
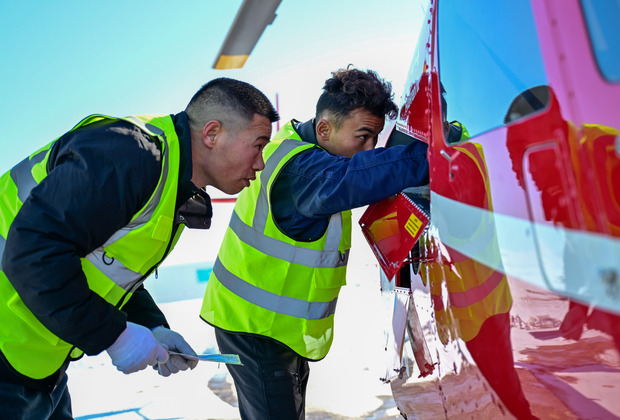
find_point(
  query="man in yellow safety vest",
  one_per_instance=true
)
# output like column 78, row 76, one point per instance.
column 273, row 290
column 88, row 217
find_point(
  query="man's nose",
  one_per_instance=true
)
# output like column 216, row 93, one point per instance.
column 259, row 163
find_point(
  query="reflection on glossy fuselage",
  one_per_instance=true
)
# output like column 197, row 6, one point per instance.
column 516, row 282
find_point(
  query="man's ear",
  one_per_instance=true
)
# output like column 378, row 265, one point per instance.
column 323, row 130
column 446, row 129
column 210, row 132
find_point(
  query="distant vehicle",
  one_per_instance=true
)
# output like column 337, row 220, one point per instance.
column 512, row 294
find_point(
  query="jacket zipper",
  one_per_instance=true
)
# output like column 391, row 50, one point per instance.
column 153, row 268
column 138, row 283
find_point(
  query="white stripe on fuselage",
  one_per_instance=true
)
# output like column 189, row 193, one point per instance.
column 582, row 265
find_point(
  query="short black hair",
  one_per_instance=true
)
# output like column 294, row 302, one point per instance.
column 232, row 102
column 350, row 89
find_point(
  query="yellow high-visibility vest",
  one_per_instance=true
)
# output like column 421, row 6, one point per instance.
column 263, row 282
column 113, row 271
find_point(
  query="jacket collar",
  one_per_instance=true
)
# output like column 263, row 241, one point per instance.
column 186, row 188
column 193, row 203
column 306, row 130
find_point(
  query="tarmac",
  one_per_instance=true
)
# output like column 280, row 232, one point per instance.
column 345, row 385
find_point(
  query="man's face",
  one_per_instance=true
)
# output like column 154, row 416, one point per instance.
column 239, row 155
column 359, row 132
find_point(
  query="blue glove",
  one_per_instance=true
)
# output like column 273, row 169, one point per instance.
column 174, row 342
column 135, row 349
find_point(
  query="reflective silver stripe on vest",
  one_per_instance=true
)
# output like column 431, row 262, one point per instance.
column 334, row 228
column 154, row 202
column 288, row 252
column 113, row 269
column 150, row 208
column 298, row 308
column 21, row 174
column 334, row 233
column 2, row 245
column 262, row 204
column 254, row 235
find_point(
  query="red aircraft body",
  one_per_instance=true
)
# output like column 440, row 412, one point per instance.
column 508, row 305
column 510, row 301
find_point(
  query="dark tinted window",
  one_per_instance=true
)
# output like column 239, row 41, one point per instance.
column 488, row 56
column 603, row 21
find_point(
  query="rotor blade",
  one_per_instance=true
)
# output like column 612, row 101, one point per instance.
column 249, row 24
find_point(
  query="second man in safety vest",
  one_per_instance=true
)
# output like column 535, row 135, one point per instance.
column 274, row 286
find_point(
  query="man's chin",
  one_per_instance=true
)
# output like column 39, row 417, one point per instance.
column 235, row 190
column 246, row 183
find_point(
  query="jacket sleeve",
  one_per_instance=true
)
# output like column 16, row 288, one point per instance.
column 323, row 184
column 142, row 309
column 98, row 178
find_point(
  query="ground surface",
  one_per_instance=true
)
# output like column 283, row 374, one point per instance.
column 345, row 385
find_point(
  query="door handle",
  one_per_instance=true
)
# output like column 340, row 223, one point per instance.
column 450, row 159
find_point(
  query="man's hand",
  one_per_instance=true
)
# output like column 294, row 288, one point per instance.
column 135, row 349
column 174, row 342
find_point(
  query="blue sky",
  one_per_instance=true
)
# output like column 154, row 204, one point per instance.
column 64, row 60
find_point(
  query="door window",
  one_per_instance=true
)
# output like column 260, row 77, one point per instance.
column 488, row 56
column 602, row 17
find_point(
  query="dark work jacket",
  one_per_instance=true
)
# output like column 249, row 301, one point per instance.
column 99, row 177
column 316, row 184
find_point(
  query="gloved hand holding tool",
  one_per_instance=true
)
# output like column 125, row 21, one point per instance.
column 135, row 349
column 174, row 342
